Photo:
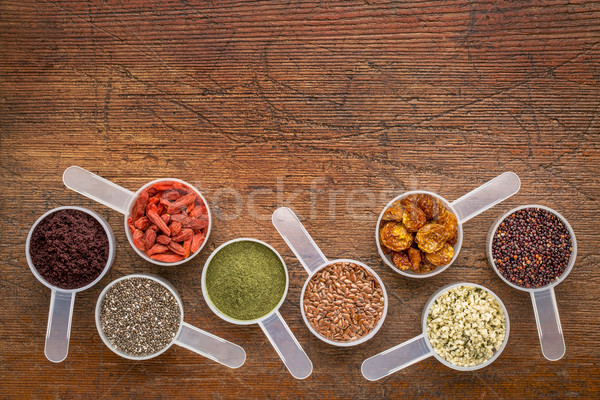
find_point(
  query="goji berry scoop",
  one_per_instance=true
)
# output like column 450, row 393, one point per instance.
column 168, row 221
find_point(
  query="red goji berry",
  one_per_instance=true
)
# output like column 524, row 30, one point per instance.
column 197, row 241
column 153, row 216
column 177, row 248
column 166, row 257
column 149, row 238
column 175, row 228
column 137, row 240
column 163, row 239
column 157, row 249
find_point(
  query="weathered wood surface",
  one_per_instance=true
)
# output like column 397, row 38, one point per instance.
column 331, row 108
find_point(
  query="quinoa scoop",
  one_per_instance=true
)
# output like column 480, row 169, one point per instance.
column 533, row 248
column 461, row 357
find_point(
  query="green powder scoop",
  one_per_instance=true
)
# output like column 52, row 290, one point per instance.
column 244, row 282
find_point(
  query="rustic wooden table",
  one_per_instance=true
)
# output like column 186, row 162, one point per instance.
column 331, row 108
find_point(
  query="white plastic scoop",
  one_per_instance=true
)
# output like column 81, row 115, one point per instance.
column 273, row 325
column 195, row 339
column 122, row 200
column 312, row 259
column 543, row 299
column 62, row 301
column 420, row 348
column 468, row 206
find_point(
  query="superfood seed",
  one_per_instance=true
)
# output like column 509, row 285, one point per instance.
column 531, row 247
column 139, row 316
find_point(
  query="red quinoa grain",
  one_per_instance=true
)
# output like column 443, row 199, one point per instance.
column 531, row 247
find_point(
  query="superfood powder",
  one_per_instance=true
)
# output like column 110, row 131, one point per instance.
column 69, row 248
column 245, row 280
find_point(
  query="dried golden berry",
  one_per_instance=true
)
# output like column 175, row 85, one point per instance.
column 422, row 221
column 394, row 212
column 410, row 199
column 401, row 260
column 449, row 221
column 384, row 248
column 395, row 236
column 414, row 255
column 452, row 241
column 431, row 237
column 426, row 266
column 429, row 205
column 442, row 256
column 413, row 218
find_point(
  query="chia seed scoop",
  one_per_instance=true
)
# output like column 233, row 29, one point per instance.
column 140, row 316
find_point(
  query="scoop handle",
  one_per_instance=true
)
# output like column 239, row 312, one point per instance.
column 548, row 324
column 286, row 345
column 486, row 196
column 210, row 346
column 297, row 238
column 59, row 325
column 98, row 189
column 396, row 358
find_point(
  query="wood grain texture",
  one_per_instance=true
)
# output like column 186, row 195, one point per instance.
column 332, row 108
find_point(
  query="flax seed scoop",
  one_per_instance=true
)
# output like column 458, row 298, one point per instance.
column 343, row 302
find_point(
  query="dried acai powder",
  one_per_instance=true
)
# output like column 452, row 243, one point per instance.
column 531, row 247
column 69, row 248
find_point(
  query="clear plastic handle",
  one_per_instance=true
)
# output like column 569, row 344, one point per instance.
column 297, row 238
column 548, row 324
column 396, row 358
column 486, row 196
column 59, row 325
column 210, row 346
column 286, row 345
column 97, row 188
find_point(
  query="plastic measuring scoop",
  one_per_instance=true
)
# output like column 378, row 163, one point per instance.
column 468, row 206
column 543, row 298
column 420, row 348
column 187, row 336
column 312, row 259
column 62, row 300
column 273, row 325
column 122, row 200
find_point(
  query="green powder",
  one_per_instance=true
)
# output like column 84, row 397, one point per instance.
column 245, row 280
